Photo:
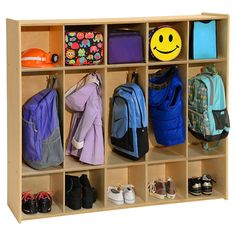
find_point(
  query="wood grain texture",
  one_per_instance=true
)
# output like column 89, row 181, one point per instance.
column 14, row 142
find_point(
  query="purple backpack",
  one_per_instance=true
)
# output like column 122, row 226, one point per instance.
column 42, row 146
column 125, row 46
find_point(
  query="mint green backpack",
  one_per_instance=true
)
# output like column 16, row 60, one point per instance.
column 208, row 118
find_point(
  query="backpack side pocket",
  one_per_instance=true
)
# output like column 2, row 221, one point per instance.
column 121, row 133
column 221, row 118
column 52, row 150
column 32, row 143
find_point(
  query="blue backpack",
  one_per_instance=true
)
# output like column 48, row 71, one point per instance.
column 42, row 146
column 208, row 118
column 166, row 106
column 129, row 121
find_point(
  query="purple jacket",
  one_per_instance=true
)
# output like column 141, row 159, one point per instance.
column 86, row 136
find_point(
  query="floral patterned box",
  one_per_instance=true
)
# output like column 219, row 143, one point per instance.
column 83, row 48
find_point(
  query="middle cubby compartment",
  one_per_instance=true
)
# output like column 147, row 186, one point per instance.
column 114, row 78
column 73, row 77
column 31, row 84
column 195, row 149
column 160, row 153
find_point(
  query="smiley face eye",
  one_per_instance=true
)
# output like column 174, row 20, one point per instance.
column 161, row 38
column 170, row 37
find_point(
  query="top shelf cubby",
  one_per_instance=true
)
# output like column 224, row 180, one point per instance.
column 88, row 41
column 221, row 39
column 48, row 38
column 171, row 43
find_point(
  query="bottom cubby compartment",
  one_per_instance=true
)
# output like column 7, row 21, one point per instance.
column 174, row 170
column 96, row 180
column 216, row 168
column 52, row 183
column 133, row 175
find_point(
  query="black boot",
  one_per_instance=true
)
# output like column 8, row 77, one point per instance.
column 89, row 194
column 73, row 192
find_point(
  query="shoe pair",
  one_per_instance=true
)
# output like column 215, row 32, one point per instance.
column 161, row 189
column 79, row 192
column 33, row 203
column 121, row 194
column 200, row 185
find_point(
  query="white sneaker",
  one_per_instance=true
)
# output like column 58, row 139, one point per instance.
column 115, row 195
column 129, row 194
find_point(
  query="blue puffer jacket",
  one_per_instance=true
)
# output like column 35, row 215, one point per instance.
column 165, row 106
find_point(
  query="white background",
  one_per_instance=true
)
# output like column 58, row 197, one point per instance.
column 197, row 218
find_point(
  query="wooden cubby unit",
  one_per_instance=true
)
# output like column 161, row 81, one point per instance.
column 179, row 162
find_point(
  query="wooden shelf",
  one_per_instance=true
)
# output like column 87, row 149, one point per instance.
column 179, row 162
column 138, row 201
column 163, row 155
column 196, row 152
column 207, row 61
column 84, row 67
column 98, row 205
column 167, row 63
column 215, row 195
column 116, row 160
column 126, row 65
column 178, row 198
column 28, row 171
column 28, row 69
column 73, row 164
column 56, row 211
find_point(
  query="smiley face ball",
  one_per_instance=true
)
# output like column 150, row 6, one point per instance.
column 165, row 44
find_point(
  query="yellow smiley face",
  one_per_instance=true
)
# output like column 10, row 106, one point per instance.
column 165, row 44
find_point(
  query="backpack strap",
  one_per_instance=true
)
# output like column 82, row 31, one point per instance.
column 51, row 82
